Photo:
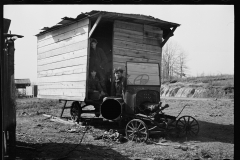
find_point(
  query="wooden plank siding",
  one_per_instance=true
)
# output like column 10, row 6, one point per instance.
column 62, row 62
column 62, row 92
column 63, row 43
column 122, row 58
column 62, row 71
column 135, row 53
column 70, row 98
column 136, row 46
column 63, row 78
column 63, row 36
column 144, row 80
column 65, row 49
column 62, row 57
column 62, row 30
column 138, row 39
column 143, row 73
column 134, row 42
column 57, row 85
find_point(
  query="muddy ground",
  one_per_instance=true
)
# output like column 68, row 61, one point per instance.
column 40, row 138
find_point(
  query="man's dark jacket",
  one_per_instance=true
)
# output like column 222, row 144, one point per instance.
column 118, row 87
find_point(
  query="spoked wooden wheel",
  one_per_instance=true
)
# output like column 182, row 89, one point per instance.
column 187, row 126
column 137, row 130
column 75, row 111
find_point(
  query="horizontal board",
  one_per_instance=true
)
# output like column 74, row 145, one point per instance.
column 64, row 36
column 151, row 34
column 143, row 68
column 66, row 56
column 62, row 71
column 136, row 46
column 63, row 64
column 137, row 39
column 125, row 31
column 142, row 79
column 63, row 78
column 65, row 49
column 136, row 53
column 128, row 26
column 117, row 64
column 62, row 92
column 152, row 29
column 62, row 85
column 63, row 43
column 70, row 98
column 120, row 58
column 64, row 29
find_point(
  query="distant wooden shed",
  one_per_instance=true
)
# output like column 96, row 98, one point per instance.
column 22, row 83
column 63, row 49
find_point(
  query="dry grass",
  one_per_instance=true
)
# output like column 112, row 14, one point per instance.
column 52, row 139
column 218, row 80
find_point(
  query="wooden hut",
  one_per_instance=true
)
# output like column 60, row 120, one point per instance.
column 22, row 83
column 22, row 87
column 63, row 50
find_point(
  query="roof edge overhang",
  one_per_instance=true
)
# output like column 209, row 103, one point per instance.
column 82, row 16
column 73, row 21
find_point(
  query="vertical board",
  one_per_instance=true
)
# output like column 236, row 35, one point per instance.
column 62, row 62
column 137, row 43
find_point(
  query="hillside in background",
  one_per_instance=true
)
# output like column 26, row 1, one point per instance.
column 221, row 86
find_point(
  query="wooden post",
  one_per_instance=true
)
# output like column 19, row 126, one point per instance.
column 9, row 108
column 63, row 109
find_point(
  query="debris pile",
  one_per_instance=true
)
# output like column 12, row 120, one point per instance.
column 111, row 135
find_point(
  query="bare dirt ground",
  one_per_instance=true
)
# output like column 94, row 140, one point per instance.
column 40, row 138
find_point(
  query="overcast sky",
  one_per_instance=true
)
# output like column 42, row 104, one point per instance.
column 206, row 32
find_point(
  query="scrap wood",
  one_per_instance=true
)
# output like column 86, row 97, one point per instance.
column 57, row 119
column 46, row 115
column 163, row 144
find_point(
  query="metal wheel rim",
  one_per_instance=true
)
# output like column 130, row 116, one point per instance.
column 137, row 130
column 187, row 126
column 75, row 111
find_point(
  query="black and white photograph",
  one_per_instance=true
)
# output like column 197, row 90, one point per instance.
column 117, row 82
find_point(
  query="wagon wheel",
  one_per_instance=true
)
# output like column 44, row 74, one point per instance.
column 187, row 125
column 75, row 111
column 137, row 130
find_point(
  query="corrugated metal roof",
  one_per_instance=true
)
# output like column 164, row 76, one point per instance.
column 111, row 16
column 22, row 81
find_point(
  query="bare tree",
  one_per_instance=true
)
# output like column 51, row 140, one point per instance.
column 174, row 60
column 169, row 59
column 182, row 63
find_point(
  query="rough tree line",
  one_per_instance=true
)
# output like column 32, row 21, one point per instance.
column 174, row 61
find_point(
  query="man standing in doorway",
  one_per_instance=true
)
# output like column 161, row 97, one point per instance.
column 98, row 60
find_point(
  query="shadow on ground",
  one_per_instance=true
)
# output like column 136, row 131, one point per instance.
column 208, row 132
column 59, row 151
